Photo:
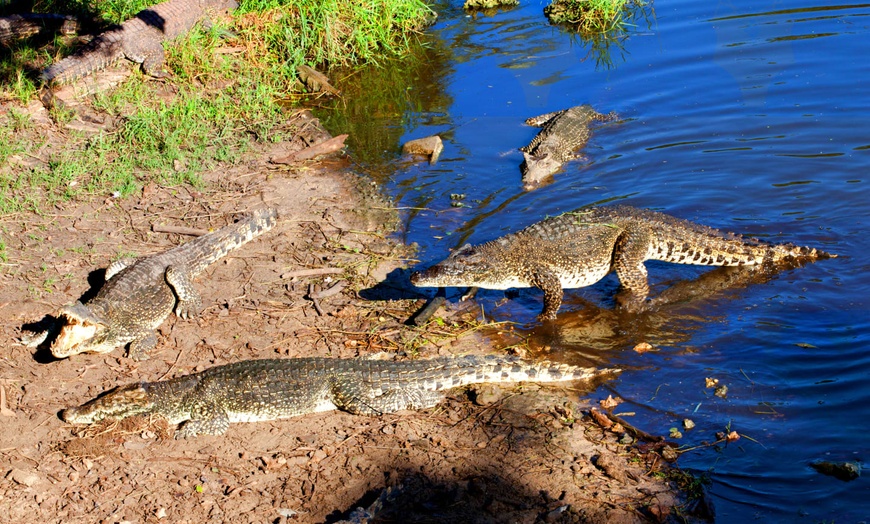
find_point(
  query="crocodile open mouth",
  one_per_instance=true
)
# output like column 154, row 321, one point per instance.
column 74, row 332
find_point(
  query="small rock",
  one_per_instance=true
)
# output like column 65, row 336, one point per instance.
column 430, row 146
column 160, row 513
column 25, row 478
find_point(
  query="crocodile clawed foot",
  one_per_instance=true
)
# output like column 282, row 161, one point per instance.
column 633, row 303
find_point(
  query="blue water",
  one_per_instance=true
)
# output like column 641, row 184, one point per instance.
column 752, row 117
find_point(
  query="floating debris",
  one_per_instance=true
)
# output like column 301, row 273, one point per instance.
column 644, row 347
column 688, row 424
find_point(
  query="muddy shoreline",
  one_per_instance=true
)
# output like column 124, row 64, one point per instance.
column 487, row 454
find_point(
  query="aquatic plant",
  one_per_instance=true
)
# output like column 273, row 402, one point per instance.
column 592, row 16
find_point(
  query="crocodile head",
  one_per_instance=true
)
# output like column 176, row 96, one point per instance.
column 469, row 266
column 82, row 332
column 536, row 168
column 122, row 402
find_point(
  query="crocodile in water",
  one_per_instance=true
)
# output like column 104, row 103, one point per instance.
column 206, row 403
column 562, row 134
column 25, row 25
column 139, row 39
column 140, row 293
column 579, row 248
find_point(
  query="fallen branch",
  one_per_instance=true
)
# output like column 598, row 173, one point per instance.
column 638, row 433
column 326, row 293
column 179, row 230
column 313, row 272
column 327, row 146
column 426, row 313
column 314, row 300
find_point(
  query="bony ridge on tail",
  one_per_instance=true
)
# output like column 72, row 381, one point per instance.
column 578, row 248
column 139, row 294
column 206, row 403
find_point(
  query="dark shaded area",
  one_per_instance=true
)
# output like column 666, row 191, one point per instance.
column 396, row 286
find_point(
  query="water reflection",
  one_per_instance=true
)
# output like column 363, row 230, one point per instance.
column 677, row 310
column 380, row 101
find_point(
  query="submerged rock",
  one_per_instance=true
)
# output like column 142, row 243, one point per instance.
column 844, row 471
column 430, row 146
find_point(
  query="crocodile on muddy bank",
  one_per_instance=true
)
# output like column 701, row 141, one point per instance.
column 139, row 294
column 206, row 403
column 562, row 134
column 578, row 248
column 139, row 39
column 25, row 25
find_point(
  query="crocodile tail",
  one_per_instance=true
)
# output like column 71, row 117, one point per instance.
column 202, row 251
column 790, row 252
column 100, row 53
column 472, row 369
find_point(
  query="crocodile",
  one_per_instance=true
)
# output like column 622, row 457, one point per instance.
column 139, row 39
column 205, row 403
column 578, row 248
column 25, row 25
column 139, row 294
column 562, row 134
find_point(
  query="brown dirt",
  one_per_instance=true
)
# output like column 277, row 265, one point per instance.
column 506, row 454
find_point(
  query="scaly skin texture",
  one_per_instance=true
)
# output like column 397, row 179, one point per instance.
column 140, row 293
column 139, row 39
column 16, row 27
column 562, row 134
column 256, row 390
column 579, row 248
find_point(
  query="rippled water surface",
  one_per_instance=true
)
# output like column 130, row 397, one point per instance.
column 752, row 117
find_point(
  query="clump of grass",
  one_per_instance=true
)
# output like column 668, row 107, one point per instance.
column 591, row 16
column 334, row 32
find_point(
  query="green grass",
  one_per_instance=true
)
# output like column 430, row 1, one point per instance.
column 227, row 85
column 592, row 16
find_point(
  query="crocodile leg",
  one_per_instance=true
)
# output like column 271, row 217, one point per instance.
column 189, row 300
column 629, row 254
column 206, row 418
column 150, row 54
column 548, row 282
column 118, row 266
column 142, row 346
column 358, row 403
